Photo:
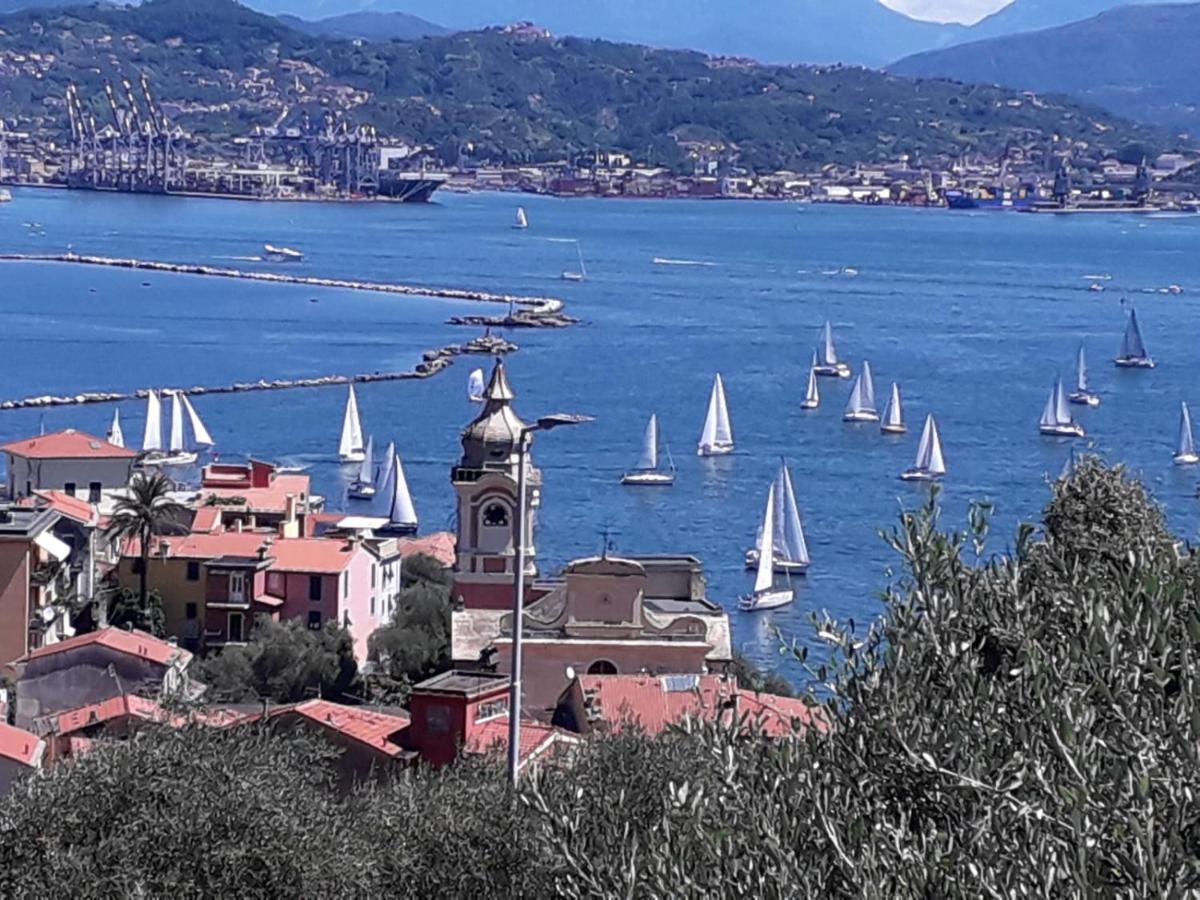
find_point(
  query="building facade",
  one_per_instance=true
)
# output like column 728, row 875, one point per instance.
column 69, row 461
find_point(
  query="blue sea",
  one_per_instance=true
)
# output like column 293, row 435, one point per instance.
column 974, row 314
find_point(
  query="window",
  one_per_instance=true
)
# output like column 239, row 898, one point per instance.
column 94, row 492
column 235, row 628
column 491, row 709
column 193, row 571
column 372, row 605
column 314, row 621
column 345, row 585
column 69, row 488
column 437, row 719
column 495, row 515
column 28, row 488
column 314, row 587
column 602, row 667
column 190, row 611
column 275, row 584
column 237, row 587
column 372, row 575
column 137, row 566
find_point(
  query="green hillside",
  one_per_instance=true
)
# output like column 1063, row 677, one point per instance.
column 220, row 68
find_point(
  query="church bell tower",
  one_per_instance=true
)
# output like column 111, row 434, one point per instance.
column 485, row 481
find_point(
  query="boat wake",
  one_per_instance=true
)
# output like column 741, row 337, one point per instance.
column 664, row 261
column 241, row 258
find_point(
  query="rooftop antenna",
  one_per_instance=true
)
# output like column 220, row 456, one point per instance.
column 608, row 534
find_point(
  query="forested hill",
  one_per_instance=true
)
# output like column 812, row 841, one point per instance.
column 219, row 68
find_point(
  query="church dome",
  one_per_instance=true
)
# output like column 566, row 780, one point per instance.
column 491, row 439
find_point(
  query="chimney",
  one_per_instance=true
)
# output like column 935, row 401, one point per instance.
column 290, row 508
column 265, row 548
column 290, row 526
column 237, row 526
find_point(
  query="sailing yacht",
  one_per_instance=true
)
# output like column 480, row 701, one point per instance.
column 363, row 485
column 791, row 548
column 350, row 448
column 475, row 386
column 647, row 472
column 1185, row 453
column 401, row 514
column 1081, row 395
column 1133, row 348
column 930, row 464
column 522, row 221
column 581, row 274
column 861, row 405
column 830, row 366
column 765, row 595
column 717, row 438
column 1056, row 417
column 115, row 435
column 893, row 416
column 179, row 451
column 812, row 396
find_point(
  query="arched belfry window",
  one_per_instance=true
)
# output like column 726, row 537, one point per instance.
column 602, row 667
column 495, row 515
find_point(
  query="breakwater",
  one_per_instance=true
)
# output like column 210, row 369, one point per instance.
column 432, row 362
column 549, row 308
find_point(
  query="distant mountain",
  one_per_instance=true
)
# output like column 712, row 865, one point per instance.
column 368, row 26
column 1138, row 61
column 855, row 32
column 219, row 69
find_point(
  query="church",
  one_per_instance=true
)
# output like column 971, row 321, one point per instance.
column 605, row 615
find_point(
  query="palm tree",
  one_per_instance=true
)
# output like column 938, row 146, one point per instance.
column 147, row 510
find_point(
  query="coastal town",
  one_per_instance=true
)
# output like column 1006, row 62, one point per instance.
column 612, row 642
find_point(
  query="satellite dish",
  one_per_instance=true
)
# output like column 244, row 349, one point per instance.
column 570, row 673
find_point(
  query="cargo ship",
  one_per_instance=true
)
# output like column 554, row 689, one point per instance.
column 410, row 187
column 1001, row 200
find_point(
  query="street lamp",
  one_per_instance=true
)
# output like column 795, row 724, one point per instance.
column 546, row 423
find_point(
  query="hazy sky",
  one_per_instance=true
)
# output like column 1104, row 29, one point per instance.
column 967, row 11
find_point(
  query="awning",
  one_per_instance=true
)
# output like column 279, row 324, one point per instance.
column 60, row 550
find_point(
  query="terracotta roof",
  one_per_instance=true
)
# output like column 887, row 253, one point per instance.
column 440, row 545
column 205, row 546
column 368, row 727
column 21, row 746
column 207, row 519
column 121, row 707
column 132, row 643
column 69, row 444
column 320, row 556
column 271, row 499
column 536, row 738
column 779, row 716
column 72, row 507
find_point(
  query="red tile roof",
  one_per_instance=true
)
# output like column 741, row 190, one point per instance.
column 205, row 546
column 122, row 707
column 779, row 716
column 536, row 738
column 318, row 556
column 69, row 444
column 133, row 643
column 207, row 519
column 371, row 728
column 21, row 746
column 440, row 545
column 271, row 499
column 72, row 507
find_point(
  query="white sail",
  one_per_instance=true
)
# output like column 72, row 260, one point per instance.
column 795, row 547
column 199, row 431
column 152, row 436
column 352, row 435
column 1062, row 411
column 401, row 510
column 724, row 429
column 1187, row 444
column 1133, row 347
column 812, row 396
column 937, row 462
column 389, row 469
column 522, row 219
column 176, row 423
column 366, row 471
column 894, row 417
column 115, row 434
column 828, row 351
column 1081, row 372
column 862, row 397
column 475, row 386
column 766, row 541
column 582, row 267
column 649, row 459
column 1050, row 410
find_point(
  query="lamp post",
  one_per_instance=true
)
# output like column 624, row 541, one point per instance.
column 546, row 423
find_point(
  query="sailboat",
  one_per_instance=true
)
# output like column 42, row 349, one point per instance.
column 1133, row 348
column 475, row 386
column 180, row 451
column 893, row 416
column 363, row 486
column 930, row 464
column 1081, row 395
column 829, row 366
column 647, row 472
column 581, row 274
column 401, row 514
column 115, row 435
column 1185, row 453
column 152, row 433
column 350, row 448
column 765, row 595
column 812, row 396
column 1056, row 416
column 861, row 405
column 791, row 549
column 717, row 438
column 522, row 221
